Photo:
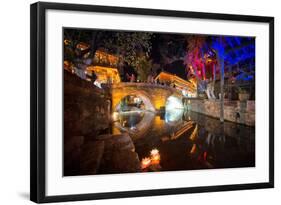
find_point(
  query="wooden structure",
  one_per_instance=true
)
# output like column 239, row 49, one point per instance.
column 104, row 74
column 188, row 87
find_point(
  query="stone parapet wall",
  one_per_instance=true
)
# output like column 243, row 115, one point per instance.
column 234, row 111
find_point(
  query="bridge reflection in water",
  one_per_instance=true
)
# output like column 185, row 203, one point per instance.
column 185, row 140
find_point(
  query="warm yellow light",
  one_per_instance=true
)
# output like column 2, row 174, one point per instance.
column 177, row 81
column 145, row 162
column 154, row 152
column 155, row 159
column 103, row 56
column 115, row 116
column 194, row 134
column 67, row 42
column 105, row 74
column 155, row 156
column 193, row 149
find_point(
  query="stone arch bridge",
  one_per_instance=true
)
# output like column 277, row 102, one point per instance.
column 154, row 96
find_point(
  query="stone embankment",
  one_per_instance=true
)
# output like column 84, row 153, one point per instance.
column 242, row 112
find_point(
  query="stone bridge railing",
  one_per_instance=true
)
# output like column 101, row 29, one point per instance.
column 144, row 85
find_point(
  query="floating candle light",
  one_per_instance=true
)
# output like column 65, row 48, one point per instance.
column 154, row 152
column 155, row 156
column 145, row 162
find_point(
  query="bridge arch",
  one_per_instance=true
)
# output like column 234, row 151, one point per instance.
column 154, row 96
column 140, row 94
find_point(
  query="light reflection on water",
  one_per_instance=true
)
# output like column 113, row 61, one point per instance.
column 174, row 115
column 188, row 140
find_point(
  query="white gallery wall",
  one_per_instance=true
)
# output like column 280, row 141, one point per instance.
column 14, row 100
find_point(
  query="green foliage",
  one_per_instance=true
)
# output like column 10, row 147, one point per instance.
column 130, row 46
column 73, row 37
column 143, row 67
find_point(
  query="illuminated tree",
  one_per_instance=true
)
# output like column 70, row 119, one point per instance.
column 80, row 46
column 143, row 67
column 194, row 59
column 194, row 55
column 131, row 46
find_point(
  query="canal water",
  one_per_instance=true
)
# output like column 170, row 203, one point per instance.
column 183, row 140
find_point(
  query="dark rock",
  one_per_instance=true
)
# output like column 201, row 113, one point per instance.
column 104, row 137
column 91, row 157
column 72, row 152
column 119, row 154
column 82, row 105
column 125, row 161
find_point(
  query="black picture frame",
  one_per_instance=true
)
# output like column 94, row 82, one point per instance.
column 38, row 101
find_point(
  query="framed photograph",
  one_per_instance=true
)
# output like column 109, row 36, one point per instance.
column 129, row 102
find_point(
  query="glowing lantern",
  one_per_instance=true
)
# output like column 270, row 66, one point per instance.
column 155, row 156
column 154, row 152
column 145, row 162
column 154, row 159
